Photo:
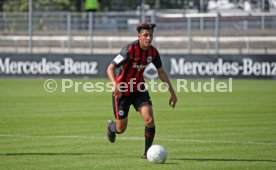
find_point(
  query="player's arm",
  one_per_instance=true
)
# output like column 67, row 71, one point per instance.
column 120, row 59
column 111, row 75
column 164, row 77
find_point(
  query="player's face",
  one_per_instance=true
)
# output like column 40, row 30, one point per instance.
column 145, row 38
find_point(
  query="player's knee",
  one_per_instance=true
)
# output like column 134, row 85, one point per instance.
column 149, row 122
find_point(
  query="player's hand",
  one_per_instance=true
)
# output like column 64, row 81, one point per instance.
column 173, row 100
column 115, row 91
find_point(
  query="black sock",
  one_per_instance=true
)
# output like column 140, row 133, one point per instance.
column 149, row 136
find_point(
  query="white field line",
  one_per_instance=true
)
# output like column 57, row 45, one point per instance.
column 140, row 138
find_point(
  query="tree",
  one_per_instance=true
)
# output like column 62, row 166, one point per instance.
column 1, row 5
column 39, row 5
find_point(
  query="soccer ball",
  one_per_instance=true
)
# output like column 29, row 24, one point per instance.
column 157, row 154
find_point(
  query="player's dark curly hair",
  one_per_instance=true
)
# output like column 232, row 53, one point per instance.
column 145, row 26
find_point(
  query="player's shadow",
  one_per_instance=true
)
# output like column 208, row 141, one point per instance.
column 53, row 154
column 223, row 160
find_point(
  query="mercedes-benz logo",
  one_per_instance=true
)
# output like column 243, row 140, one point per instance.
column 150, row 72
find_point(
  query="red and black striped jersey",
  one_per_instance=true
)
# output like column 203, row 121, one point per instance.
column 131, row 63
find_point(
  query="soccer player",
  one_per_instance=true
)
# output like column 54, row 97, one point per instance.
column 126, row 73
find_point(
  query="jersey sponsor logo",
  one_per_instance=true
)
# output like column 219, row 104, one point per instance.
column 139, row 67
column 119, row 58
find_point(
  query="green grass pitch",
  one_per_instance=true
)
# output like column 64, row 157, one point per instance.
column 41, row 130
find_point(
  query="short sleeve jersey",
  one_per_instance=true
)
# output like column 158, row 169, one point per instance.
column 131, row 63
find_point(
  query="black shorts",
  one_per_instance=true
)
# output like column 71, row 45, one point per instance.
column 122, row 104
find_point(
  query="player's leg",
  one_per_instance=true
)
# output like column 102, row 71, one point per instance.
column 120, row 108
column 142, row 103
column 147, row 114
column 121, row 125
column 114, row 128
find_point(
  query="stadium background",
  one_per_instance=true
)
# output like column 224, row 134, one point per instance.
column 58, row 39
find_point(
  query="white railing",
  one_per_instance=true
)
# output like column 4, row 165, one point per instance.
column 110, row 44
column 65, row 29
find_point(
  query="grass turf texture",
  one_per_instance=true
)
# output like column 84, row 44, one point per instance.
column 40, row 130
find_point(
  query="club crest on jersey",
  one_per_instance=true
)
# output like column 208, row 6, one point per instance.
column 149, row 59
